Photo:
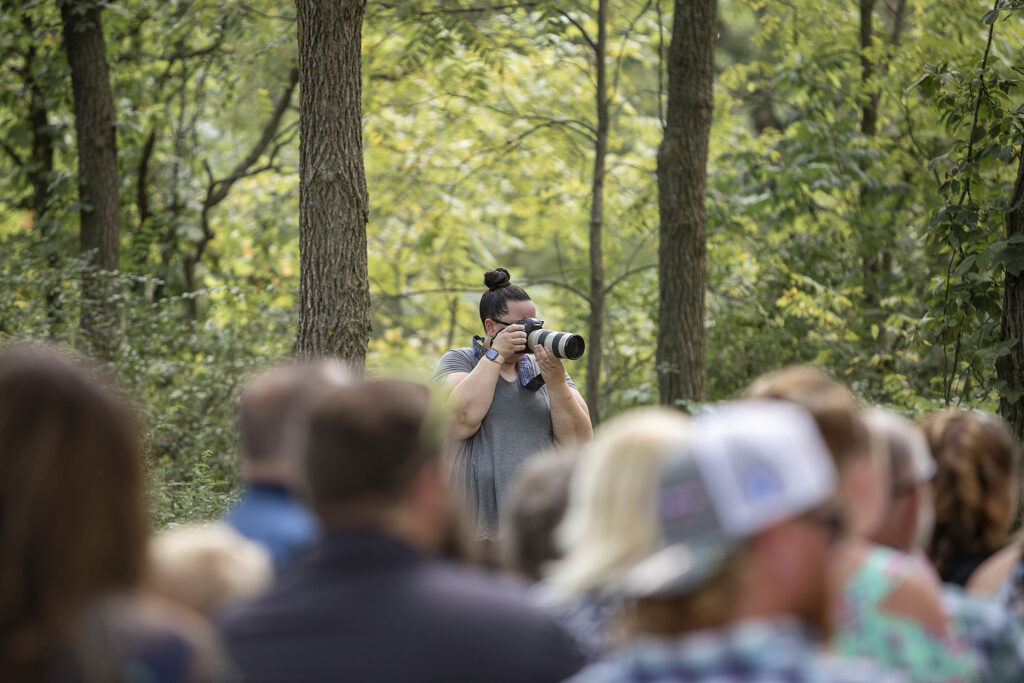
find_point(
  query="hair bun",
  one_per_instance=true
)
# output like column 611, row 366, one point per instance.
column 497, row 278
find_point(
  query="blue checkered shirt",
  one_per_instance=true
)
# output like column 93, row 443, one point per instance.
column 754, row 651
column 991, row 630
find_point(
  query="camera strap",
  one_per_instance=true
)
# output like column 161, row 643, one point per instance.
column 529, row 377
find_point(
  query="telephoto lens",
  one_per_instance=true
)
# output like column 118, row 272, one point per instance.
column 562, row 344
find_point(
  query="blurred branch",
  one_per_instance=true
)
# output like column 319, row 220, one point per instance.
column 11, row 153
column 556, row 283
column 579, row 27
column 218, row 189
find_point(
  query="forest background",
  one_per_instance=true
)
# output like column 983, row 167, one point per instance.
column 863, row 175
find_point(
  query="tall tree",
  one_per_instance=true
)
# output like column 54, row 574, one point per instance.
column 871, row 224
column 597, row 284
column 1010, row 367
column 97, row 163
column 31, row 97
column 682, row 168
column 334, row 292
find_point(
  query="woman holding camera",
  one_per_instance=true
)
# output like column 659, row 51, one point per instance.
column 508, row 404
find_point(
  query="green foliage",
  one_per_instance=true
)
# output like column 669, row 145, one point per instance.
column 853, row 250
column 877, row 254
column 977, row 99
column 491, row 140
column 184, row 376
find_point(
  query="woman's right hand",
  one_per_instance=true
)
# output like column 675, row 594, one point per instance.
column 510, row 341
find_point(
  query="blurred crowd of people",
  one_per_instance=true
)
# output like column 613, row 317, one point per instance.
column 788, row 535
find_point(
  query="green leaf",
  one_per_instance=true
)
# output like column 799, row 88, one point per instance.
column 1014, row 259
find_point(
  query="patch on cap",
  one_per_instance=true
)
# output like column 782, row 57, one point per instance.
column 747, row 466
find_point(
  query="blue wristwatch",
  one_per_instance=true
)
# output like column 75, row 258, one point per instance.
column 492, row 354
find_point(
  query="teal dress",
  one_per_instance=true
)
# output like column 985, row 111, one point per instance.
column 865, row 629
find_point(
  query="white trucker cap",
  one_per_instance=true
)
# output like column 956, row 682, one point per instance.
column 747, row 466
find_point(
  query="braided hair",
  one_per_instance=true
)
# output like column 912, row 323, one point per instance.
column 500, row 290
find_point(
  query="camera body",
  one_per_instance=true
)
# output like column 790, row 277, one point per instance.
column 562, row 344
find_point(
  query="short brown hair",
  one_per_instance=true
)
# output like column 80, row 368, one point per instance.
column 364, row 442
column 535, row 506
column 827, row 401
column 271, row 401
column 72, row 513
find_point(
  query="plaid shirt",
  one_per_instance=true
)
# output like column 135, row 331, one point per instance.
column 753, row 651
column 991, row 630
column 1012, row 592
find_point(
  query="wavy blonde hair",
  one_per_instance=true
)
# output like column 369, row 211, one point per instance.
column 610, row 523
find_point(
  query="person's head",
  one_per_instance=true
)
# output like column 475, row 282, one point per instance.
column 606, row 526
column 745, row 515
column 864, row 475
column 268, row 406
column 910, row 514
column 206, row 567
column 975, row 483
column 535, row 506
column 369, row 453
column 72, row 513
column 503, row 303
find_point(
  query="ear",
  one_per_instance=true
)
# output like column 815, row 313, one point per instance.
column 866, row 499
column 774, row 549
column 429, row 499
column 908, row 508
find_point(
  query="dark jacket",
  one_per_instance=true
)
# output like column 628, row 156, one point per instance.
column 362, row 607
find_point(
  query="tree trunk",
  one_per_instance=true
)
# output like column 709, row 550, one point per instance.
column 1010, row 367
column 875, row 262
column 869, row 111
column 40, row 170
column 97, row 167
column 597, row 287
column 334, row 291
column 682, row 170
column 871, row 259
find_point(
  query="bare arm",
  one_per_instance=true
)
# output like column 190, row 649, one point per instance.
column 472, row 392
column 471, row 396
column 570, row 416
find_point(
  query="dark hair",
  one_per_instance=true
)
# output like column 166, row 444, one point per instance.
column 271, row 401
column 977, row 459
column 72, row 512
column 364, row 442
column 535, row 506
column 500, row 290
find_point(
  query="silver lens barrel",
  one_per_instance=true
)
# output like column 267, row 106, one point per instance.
column 562, row 344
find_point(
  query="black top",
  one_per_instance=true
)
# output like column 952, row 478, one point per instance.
column 360, row 606
column 959, row 569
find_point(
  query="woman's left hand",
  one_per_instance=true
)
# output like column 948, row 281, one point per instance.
column 551, row 368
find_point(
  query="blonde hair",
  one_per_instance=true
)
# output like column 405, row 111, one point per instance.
column 207, row 567
column 829, row 403
column 610, row 522
column 706, row 607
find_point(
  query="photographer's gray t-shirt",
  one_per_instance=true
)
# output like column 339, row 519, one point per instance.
column 517, row 426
